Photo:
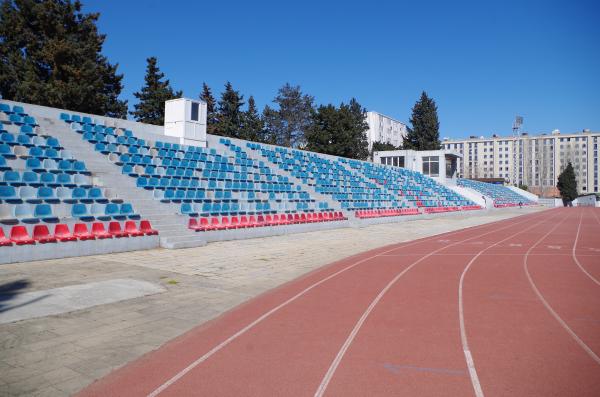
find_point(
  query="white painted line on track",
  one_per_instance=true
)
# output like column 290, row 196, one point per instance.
column 227, row 341
column 573, row 335
column 337, row 360
column 574, row 254
column 461, row 315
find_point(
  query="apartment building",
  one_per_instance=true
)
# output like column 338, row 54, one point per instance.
column 532, row 160
column 384, row 129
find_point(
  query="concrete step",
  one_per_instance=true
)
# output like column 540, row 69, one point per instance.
column 182, row 242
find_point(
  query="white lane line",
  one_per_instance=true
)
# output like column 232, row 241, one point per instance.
column 461, row 315
column 581, row 343
column 227, row 341
column 336, row 361
column 574, row 254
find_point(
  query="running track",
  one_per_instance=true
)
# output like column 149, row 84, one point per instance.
column 508, row 308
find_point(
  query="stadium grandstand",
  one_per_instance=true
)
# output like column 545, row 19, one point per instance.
column 109, row 185
column 502, row 196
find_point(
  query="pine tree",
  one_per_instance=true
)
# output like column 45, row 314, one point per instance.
column 424, row 134
column 211, row 114
column 229, row 113
column 253, row 127
column 382, row 146
column 339, row 131
column 51, row 54
column 288, row 123
column 152, row 96
column 567, row 185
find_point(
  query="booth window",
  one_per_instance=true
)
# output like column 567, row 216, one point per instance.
column 431, row 165
column 195, row 111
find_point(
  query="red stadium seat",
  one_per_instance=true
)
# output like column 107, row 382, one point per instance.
column 244, row 221
column 4, row 242
column 20, row 236
column 214, row 224
column 80, row 231
column 202, row 225
column 62, row 233
column 252, row 221
column 41, row 234
column 260, row 221
column 270, row 221
column 297, row 218
column 132, row 229
column 225, row 223
column 146, row 227
column 235, row 223
column 114, row 228
column 99, row 232
column 290, row 219
column 193, row 224
column 303, row 218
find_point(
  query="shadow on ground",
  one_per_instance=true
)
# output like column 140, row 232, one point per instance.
column 8, row 291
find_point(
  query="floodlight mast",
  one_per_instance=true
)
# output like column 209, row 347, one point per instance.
column 517, row 166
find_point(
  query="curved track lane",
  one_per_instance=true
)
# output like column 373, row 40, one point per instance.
column 384, row 322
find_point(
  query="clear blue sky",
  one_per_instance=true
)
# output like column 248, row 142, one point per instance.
column 483, row 62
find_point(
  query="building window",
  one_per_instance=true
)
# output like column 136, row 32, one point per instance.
column 431, row 165
column 195, row 111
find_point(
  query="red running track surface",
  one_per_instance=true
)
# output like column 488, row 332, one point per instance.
column 508, row 308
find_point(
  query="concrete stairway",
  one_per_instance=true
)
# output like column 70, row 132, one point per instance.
column 165, row 218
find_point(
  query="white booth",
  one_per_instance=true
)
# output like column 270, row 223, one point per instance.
column 186, row 120
column 438, row 164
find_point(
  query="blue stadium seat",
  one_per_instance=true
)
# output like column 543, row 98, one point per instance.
column 12, row 178
column 8, row 194
column 47, row 195
column 3, row 164
column 29, row 195
column 6, row 151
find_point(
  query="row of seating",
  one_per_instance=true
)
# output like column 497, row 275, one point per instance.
column 37, row 179
column 36, row 213
column 386, row 212
column 41, row 233
column 51, row 195
column 204, row 224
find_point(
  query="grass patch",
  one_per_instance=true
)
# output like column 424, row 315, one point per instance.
column 173, row 282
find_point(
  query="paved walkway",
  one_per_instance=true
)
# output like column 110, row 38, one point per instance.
column 58, row 355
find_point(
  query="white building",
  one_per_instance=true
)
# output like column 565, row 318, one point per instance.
column 531, row 160
column 437, row 164
column 385, row 129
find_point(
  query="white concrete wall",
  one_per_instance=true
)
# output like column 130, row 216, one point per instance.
column 472, row 195
column 586, row 201
column 524, row 193
column 550, row 202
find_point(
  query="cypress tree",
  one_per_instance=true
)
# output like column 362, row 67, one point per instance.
column 151, row 106
column 567, row 185
column 211, row 114
column 424, row 134
column 252, row 124
column 229, row 113
column 382, row 146
column 288, row 123
column 339, row 131
column 51, row 54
